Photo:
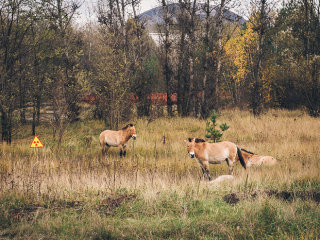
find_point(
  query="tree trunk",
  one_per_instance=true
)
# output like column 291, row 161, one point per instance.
column 167, row 67
column 193, row 89
column 216, row 81
column 22, row 100
column 6, row 120
column 204, row 108
column 256, row 95
column 180, row 76
column 38, row 105
column 314, row 99
column 34, row 119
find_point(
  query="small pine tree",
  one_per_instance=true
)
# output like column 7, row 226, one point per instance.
column 212, row 133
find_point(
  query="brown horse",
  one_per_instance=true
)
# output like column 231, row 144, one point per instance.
column 214, row 153
column 109, row 138
column 252, row 159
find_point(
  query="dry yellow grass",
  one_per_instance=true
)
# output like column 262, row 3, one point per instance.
column 173, row 201
column 291, row 137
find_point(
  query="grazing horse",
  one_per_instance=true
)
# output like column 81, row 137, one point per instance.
column 109, row 138
column 252, row 159
column 214, row 153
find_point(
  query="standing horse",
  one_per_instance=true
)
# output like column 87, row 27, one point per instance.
column 252, row 159
column 109, row 138
column 214, row 153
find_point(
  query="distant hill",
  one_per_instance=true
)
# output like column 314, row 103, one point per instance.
column 154, row 16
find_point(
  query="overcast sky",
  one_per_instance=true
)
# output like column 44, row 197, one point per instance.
column 148, row 4
column 87, row 9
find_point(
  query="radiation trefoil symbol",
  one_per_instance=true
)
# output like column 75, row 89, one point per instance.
column 36, row 143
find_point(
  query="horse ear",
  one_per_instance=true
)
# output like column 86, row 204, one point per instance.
column 190, row 140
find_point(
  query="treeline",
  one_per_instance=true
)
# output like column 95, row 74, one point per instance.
column 271, row 60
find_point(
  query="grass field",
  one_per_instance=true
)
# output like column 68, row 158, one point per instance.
column 157, row 192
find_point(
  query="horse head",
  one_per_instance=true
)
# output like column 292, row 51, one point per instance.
column 190, row 146
column 131, row 130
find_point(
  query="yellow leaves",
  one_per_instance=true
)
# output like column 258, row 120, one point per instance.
column 214, row 53
column 268, row 73
column 240, row 48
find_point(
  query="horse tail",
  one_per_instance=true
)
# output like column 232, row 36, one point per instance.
column 243, row 163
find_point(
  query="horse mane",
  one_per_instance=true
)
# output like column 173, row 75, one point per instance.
column 242, row 149
column 129, row 125
column 196, row 140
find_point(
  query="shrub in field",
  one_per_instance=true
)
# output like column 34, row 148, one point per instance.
column 212, row 132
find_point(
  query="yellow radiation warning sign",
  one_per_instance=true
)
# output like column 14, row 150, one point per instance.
column 36, row 143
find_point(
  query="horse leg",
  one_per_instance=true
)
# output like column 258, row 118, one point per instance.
column 205, row 169
column 124, row 146
column 230, row 165
column 121, row 150
column 105, row 150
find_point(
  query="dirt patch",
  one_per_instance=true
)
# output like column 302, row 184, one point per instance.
column 26, row 212
column 290, row 196
column 29, row 211
column 313, row 195
column 232, row 198
column 110, row 203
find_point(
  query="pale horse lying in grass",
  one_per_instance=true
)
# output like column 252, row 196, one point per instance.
column 214, row 153
column 252, row 159
column 222, row 179
column 110, row 138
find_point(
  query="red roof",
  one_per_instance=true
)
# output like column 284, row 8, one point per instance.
column 159, row 98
